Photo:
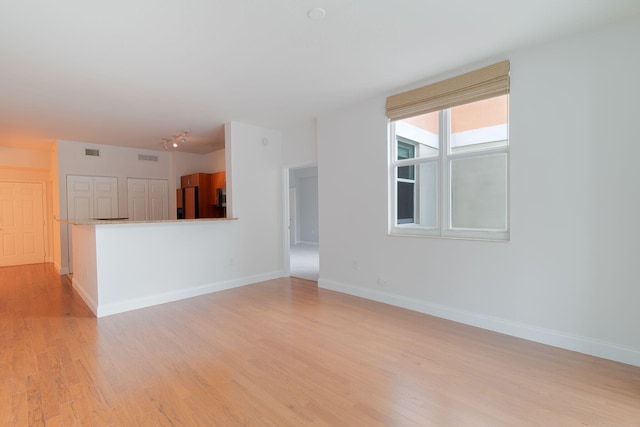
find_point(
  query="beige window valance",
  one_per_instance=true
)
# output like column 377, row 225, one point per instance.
column 477, row 85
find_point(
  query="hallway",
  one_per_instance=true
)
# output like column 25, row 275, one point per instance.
column 305, row 262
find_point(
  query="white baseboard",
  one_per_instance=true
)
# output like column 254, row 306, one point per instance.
column 551, row 337
column 302, row 242
column 61, row 271
column 163, row 298
column 93, row 305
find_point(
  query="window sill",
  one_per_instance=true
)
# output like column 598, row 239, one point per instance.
column 479, row 236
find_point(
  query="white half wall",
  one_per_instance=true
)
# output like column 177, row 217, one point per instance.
column 122, row 267
column 568, row 277
column 85, row 278
column 123, row 163
column 119, row 162
column 138, row 265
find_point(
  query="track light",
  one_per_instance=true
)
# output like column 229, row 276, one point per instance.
column 172, row 141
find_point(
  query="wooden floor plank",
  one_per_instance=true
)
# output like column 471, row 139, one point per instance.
column 283, row 353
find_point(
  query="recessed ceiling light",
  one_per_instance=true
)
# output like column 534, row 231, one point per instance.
column 316, row 13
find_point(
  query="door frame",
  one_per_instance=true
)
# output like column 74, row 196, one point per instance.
column 286, row 245
column 293, row 215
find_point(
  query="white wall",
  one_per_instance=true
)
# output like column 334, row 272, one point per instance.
column 299, row 143
column 24, row 158
column 145, row 264
column 254, row 196
column 568, row 277
column 113, row 161
column 123, row 163
column 122, row 267
column 119, row 162
column 85, row 276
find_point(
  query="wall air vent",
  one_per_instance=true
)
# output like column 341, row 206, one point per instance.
column 91, row 152
column 147, row 157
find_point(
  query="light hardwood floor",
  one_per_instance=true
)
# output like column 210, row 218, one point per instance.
column 283, row 353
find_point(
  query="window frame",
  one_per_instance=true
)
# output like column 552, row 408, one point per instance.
column 412, row 181
column 444, row 192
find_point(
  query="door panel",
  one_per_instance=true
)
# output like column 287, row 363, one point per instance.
column 79, row 198
column 89, row 197
column 21, row 223
column 137, row 194
column 105, row 190
column 148, row 199
column 158, row 199
column 138, row 209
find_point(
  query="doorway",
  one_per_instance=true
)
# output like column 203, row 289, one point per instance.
column 303, row 224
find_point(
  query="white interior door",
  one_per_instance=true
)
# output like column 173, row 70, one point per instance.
column 138, row 199
column 21, row 223
column 148, row 199
column 158, row 199
column 79, row 198
column 89, row 197
column 105, row 197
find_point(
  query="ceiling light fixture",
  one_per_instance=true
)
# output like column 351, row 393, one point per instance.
column 172, row 141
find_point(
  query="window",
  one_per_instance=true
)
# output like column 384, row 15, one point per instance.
column 449, row 167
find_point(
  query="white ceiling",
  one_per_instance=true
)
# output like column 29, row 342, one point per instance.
column 131, row 72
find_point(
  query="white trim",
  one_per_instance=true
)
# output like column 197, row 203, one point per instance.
column 414, row 133
column 93, row 305
column 479, row 136
column 162, row 298
column 443, row 228
column 61, row 271
column 590, row 346
column 286, row 245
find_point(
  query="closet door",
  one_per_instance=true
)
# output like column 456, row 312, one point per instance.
column 158, row 199
column 148, row 199
column 79, row 198
column 138, row 199
column 105, row 197
column 90, row 197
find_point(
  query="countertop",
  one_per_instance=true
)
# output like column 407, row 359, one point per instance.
column 126, row 221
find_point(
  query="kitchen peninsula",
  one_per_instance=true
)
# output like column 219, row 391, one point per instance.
column 126, row 265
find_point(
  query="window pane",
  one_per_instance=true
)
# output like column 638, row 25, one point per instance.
column 406, row 150
column 418, row 200
column 419, row 132
column 479, row 193
column 406, row 172
column 481, row 124
column 427, row 182
column 406, row 202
